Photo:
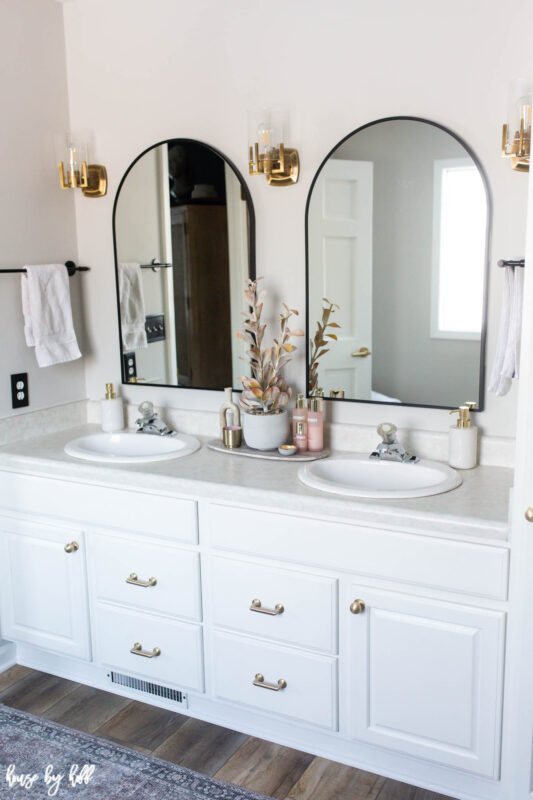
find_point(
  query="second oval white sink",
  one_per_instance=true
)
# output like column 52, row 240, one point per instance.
column 126, row 447
column 360, row 476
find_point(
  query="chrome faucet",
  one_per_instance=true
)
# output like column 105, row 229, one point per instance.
column 149, row 421
column 390, row 449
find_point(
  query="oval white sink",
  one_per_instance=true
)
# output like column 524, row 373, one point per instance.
column 359, row 476
column 126, row 447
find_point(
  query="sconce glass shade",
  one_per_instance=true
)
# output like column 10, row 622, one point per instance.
column 74, row 170
column 268, row 153
column 516, row 135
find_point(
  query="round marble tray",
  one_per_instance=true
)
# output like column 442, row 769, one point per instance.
column 272, row 455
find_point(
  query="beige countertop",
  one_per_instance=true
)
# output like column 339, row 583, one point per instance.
column 476, row 510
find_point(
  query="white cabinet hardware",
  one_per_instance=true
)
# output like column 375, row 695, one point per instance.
column 137, row 650
column 272, row 612
column 259, row 680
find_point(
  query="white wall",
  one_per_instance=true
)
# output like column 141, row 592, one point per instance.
column 37, row 220
column 141, row 72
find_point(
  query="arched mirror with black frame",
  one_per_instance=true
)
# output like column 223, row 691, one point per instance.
column 184, row 239
column 397, row 238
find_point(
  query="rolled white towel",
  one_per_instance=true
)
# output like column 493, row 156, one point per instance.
column 47, row 313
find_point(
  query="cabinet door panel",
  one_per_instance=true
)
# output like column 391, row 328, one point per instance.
column 43, row 587
column 426, row 678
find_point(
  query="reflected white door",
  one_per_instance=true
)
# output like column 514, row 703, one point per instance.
column 340, row 268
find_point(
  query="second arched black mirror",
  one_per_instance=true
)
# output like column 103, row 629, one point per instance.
column 397, row 225
column 183, row 204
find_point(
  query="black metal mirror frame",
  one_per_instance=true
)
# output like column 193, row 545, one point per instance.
column 483, row 337
column 251, row 246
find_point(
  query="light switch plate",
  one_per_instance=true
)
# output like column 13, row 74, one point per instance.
column 20, row 396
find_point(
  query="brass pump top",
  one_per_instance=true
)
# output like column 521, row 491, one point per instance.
column 110, row 393
column 464, row 410
column 300, row 401
column 315, row 404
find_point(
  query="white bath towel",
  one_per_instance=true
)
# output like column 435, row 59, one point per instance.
column 132, row 314
column 507, row 359
column 48, row 314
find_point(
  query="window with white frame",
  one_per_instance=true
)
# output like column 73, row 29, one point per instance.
column 459, row 231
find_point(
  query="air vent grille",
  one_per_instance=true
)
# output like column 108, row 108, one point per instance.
column 148, row 688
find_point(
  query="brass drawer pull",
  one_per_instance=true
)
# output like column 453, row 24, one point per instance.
column 134, row 580
column 137, row 650
column 259, row 680
column 529, row 514
column 273, row 612
column 357, row 607
column 363, row 352
column 71, row 547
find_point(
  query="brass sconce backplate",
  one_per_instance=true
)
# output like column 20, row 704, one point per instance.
column 97, row 181
column 281, row 166
column 290, row 172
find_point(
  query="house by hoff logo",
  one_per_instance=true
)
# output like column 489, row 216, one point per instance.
column 51, row 779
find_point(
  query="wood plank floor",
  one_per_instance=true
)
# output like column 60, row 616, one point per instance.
column 271, row 769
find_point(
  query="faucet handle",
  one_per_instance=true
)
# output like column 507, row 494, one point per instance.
column 387, row 431
column 147, row 409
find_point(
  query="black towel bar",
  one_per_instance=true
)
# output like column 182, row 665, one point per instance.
column 70, row 265
column 513, row 262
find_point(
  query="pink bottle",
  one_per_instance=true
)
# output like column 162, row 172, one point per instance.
column 315, row 425
column 300, row 437
column 299, row 414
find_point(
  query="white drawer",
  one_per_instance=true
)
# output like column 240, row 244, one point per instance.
column 135, row 511
column 180, row 662
column 308, row 603
column 176, row 591
column 310, row 694
column 472, row 569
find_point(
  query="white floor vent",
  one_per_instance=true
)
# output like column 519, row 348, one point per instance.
column 149, row 688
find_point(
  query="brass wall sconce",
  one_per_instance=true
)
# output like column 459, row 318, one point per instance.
column 517, row 145
column 268, row 155
column 90, row 178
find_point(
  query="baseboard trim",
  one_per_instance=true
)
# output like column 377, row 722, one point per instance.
column 8, row 655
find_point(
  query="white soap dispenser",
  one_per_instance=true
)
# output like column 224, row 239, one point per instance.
column 463, row 439
column 112, row 410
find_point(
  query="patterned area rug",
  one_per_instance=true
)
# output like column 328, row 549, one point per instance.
column 41, row 759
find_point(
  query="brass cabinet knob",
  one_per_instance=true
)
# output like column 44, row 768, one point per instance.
column 71, row 547
column 357, row 607
column 529, row 514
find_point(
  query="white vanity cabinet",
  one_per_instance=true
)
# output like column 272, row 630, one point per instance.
column 43, row 586
column 381, row 648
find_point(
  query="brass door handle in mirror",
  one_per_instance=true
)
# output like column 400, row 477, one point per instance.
column 357, row 607
column 273, row 612
column 363, row 352
column 134, row 580
column 259, row 680
column 137, row 650
column 71, row 547
column 529, row 514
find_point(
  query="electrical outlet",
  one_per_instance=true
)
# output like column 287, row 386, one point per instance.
column 20, row 395
column 130, row 367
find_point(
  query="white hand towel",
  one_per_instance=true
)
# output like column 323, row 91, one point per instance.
column 132, row 314
column 507, row 359
column 48, row 314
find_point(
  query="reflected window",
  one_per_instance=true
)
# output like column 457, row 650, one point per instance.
column 459, row 238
